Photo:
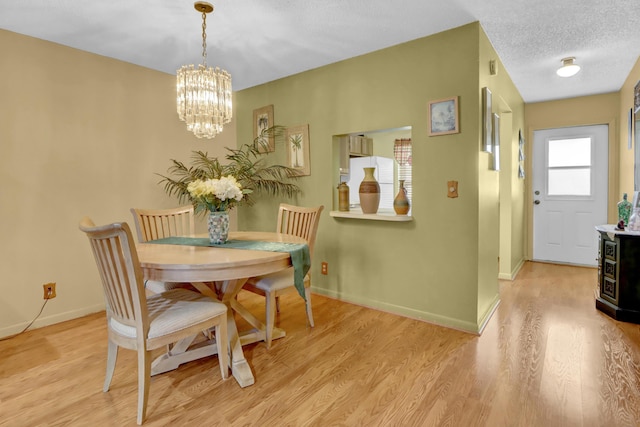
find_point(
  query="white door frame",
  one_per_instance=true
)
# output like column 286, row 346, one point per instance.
column 614, row 168
column 566, row 232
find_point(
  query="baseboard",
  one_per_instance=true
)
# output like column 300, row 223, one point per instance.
column 488, row 314
column 51, row 320
column 435, row 319
column 514, row 273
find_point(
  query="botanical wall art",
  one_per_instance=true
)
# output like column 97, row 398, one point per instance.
column 263, row 120
column 297, row 142
column 443, row 116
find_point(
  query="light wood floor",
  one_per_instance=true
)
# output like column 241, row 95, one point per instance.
column 546, row 358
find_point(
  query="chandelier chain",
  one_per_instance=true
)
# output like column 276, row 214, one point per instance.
column 204, row 38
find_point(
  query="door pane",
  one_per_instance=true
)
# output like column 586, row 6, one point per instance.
column 569, row 182
column 569, row 152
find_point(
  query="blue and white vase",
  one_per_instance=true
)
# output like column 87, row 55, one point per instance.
column 218, row 223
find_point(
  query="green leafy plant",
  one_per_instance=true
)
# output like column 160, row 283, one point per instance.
column 245, row 164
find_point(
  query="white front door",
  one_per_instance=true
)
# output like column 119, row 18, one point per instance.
column 570, row 181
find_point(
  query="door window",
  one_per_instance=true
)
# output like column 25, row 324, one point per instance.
column 569, row 163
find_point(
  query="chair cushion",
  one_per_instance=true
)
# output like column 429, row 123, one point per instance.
column 172, row 311
column 275, row 281
column 157, row 287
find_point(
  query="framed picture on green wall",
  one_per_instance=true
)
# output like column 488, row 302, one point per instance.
column 297, row 138
column 263, row 120
column 443, row 116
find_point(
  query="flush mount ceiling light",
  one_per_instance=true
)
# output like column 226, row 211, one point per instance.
column 204, row 94
column 568, row 68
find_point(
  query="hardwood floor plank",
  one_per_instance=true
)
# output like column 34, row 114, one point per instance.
column 546, row 358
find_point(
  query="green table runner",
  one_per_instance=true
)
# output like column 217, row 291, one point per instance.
column 299, row 252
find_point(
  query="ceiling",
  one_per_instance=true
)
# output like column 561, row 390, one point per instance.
column 262, row 40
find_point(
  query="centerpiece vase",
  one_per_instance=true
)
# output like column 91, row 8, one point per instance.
column 218, row 223
column 401, row 202
column 369, row 192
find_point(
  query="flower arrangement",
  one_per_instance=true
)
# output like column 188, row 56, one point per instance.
column 216, row 195
column 213, row 186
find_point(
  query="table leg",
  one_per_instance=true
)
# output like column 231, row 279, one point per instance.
column 182, row 352
column 259, row 332
column 239, row 366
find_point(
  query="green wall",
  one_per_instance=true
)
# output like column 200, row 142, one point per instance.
column 432, row 268
column 508, row 104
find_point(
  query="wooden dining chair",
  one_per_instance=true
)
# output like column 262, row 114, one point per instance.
column 141, row 323
column 301, row 222
column 153, row 224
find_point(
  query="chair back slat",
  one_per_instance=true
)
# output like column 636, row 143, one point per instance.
column 152, row 224
column 299, row 221
column 120, row 273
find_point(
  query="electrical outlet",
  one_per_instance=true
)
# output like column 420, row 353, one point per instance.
column 325, row 268
column 49, row 290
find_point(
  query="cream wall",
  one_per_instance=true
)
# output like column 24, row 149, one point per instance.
column 80, row 134
column 587, row 110
column 429, row 268
column 626, row 156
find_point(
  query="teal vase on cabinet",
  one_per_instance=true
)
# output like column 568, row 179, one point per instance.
column 624, row 210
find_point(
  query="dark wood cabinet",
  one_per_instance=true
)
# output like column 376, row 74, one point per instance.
column 619, row 274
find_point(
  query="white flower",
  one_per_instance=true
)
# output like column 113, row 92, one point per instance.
column 216, row 194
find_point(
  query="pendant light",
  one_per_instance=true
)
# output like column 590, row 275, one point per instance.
column 204, row 93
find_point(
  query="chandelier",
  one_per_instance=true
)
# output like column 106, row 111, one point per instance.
column 204, row 94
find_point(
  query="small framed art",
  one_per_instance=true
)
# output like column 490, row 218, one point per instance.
column 630, row 129
column 297, row 138
column 487, row 120
column 443, row 117
column 263, row 120
column 496, row 142
column 520, row 154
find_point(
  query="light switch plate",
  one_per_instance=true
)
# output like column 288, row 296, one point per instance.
column 452, row 189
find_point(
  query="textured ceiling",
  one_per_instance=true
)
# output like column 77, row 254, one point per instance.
column 262, row 40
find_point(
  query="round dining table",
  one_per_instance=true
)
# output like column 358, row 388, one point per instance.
column 220, row 273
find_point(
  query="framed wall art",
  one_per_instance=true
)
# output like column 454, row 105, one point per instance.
column 263, row 120
column 297, row 138
column 630, row 130
column 496, row 142
column 443, row 117
column 487, row 119
column 520, row 154
column 636, row 98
